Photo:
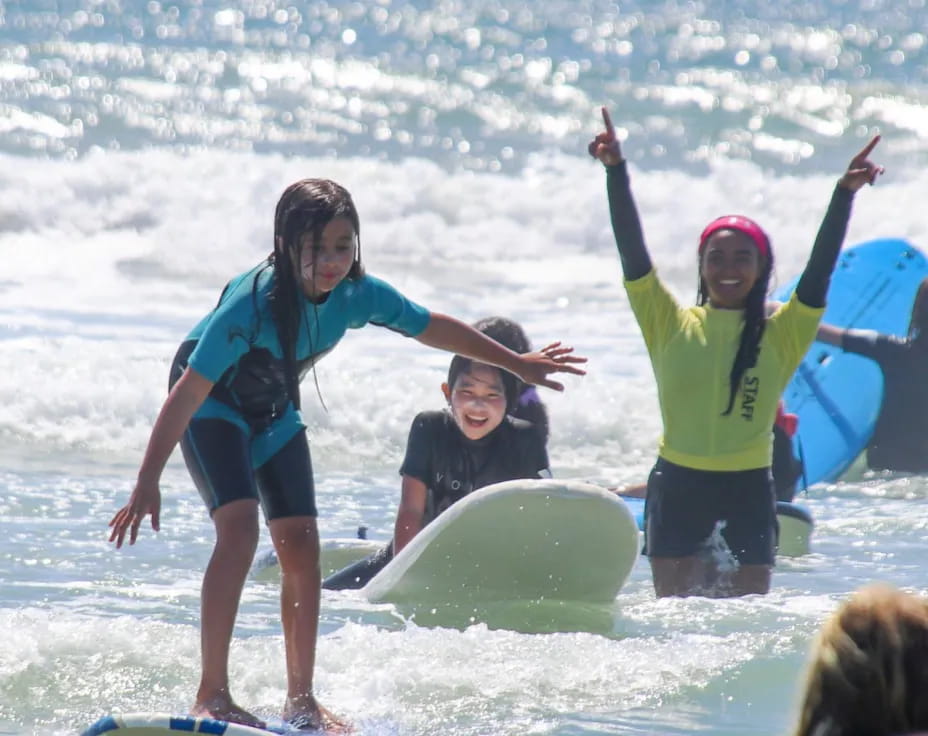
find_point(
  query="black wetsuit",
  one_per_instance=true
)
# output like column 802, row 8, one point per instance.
column 452, row 466
column 900, row 440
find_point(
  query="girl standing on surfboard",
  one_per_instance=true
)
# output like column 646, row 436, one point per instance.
column 495, row 429
column 234, row 407
column 721, row 367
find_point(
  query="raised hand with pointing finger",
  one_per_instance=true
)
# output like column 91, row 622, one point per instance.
column 861, row 170
column 605, row 146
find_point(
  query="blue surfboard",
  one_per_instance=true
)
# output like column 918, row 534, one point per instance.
column 837, row 395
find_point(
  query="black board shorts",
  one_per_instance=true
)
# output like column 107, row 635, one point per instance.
column 218, row 456
column 683, row 506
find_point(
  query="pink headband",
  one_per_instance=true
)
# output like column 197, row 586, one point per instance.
column 740, row 224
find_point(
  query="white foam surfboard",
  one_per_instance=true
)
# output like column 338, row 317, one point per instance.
column 522, row 540
column 159, row 724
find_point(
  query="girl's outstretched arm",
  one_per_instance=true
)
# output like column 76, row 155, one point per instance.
column 626, row 225
column 450, row 334
column 813, row 284
column 185, row 398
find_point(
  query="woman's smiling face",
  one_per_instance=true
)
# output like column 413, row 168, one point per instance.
column 730, row 266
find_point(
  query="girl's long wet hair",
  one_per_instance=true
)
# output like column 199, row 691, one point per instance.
column 755, row 322
column 305, row 208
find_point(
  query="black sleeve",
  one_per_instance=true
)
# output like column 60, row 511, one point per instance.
column 358, row 574
column 419, row 447
column 871, row 344
column 626, row 225
column 813, row 284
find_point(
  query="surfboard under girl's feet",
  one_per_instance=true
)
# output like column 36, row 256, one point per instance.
column 224, row 709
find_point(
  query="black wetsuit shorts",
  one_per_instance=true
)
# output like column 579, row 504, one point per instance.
column 684, row 506
column 218, row 456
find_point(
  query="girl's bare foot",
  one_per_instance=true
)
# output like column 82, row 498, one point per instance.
column 222, row 708
column 306, row 714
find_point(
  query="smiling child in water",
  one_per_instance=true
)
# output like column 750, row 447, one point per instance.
column 473, row 443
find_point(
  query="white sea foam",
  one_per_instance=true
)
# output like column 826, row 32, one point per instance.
column 110, row 259
column 144, row 145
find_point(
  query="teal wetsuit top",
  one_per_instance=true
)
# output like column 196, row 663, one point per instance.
column 236, row 346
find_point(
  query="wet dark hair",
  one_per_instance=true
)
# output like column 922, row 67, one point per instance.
column 506, row 332
column 918, row 324
column 305, row 207
column 509, row 333
column 755, row 321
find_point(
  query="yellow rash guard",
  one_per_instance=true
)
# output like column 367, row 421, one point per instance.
column 692, row 350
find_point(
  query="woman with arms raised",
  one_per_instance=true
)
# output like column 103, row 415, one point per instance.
column 721, row 367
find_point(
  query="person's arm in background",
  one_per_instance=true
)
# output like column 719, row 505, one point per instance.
column 867, row 343
column 639, row 490
column 830, row 334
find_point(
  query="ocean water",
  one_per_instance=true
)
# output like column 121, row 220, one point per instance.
column 143, row 145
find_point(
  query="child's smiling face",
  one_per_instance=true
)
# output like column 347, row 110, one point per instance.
column 478, row 400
